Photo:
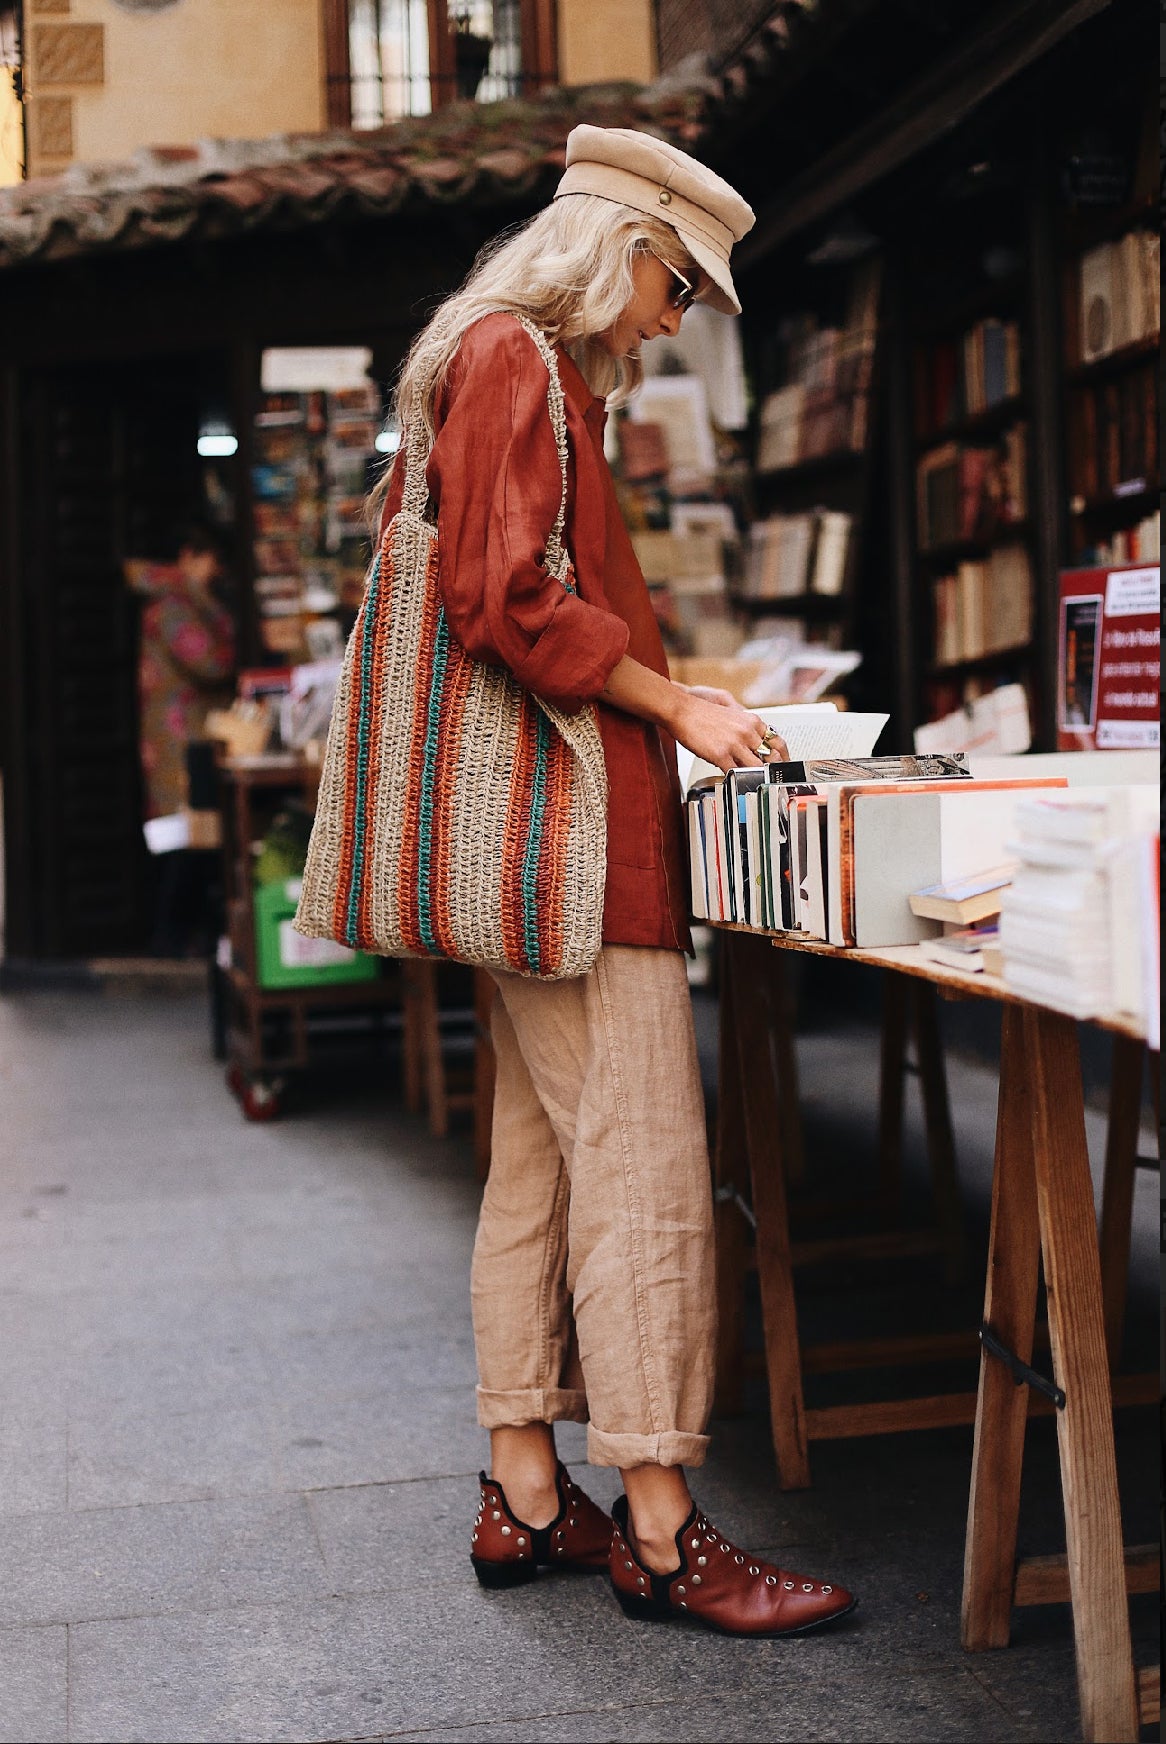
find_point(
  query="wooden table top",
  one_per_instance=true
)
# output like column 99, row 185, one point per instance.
column 910, row 960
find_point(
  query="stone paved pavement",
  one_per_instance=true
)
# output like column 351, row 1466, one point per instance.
column 237, row 1448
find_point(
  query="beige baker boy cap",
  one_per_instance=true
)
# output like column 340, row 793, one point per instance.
column 649, row 175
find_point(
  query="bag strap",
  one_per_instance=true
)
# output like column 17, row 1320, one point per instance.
column 557, row 561
column 415, row 494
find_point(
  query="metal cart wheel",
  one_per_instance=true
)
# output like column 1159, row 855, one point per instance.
column 259, row 1098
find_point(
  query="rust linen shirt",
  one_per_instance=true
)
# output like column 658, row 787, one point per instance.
column 494, row 478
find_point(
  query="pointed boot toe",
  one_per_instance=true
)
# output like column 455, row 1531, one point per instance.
column 719, row 1586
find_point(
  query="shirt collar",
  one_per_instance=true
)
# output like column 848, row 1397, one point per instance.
column 592, row 406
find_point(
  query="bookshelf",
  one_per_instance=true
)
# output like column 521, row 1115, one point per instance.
column 1022, row 331
column 1111, row 344
column 970, row 570
column 815, row 366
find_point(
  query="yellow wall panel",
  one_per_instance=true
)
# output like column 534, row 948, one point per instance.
column 197, row 69
column 606, row 39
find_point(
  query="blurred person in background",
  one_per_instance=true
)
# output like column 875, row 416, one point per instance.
column 186, row 668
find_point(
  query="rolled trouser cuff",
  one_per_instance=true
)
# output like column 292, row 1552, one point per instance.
column 530, row 1405
column 672, row 1447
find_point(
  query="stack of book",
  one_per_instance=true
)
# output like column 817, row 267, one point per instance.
column 984, row 607
column 834, row 847
column 1079, row 924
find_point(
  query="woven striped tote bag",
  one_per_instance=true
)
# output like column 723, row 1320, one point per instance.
column 459, row 816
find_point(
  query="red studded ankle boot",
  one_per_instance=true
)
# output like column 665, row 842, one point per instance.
column 506, row 1551
column 719, row 1586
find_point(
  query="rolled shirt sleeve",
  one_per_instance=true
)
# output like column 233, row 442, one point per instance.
column 494, row 475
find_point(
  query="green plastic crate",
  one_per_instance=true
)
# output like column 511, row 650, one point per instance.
column 286, row 959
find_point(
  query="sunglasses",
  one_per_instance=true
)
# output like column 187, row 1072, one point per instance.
column 684, row 294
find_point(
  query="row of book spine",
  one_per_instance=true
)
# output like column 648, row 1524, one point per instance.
column 968, row 491
column 797, row 554
column 1113, row 435
column 984, row 607
column 957, row 378
column 838, row 859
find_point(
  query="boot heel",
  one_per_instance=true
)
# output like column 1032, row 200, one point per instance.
column 642, row 1609
column 503, row 1574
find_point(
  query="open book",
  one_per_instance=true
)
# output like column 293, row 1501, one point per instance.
column 817, row 729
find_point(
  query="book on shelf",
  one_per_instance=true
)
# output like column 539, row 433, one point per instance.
column 795, row 554
column 965, row 899
column 965, row 948
column 1118, row 294
column 967, row 492
column 984, row 607
column 1113, row 436
column 960, row 377
column 823, row 406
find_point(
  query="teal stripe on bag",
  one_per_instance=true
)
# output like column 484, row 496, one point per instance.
column 363, row 710
column 534, row 839
column 428, row 771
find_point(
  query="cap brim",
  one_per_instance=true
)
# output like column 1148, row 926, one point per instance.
column 718, row 289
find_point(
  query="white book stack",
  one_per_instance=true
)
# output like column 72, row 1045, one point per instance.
column 1078, row 927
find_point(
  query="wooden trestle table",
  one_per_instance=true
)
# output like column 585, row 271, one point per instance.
column 1042, row 1212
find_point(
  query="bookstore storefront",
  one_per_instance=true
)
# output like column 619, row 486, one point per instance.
column 241, row 327
column 882, row 484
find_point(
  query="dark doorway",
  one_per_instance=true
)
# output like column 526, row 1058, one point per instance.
column 110, row 456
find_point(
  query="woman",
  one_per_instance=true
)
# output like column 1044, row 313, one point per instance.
column 592, row 1284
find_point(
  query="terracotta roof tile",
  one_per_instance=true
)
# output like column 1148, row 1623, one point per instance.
column 488, row 153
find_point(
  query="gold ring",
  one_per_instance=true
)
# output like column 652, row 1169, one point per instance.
column 762, row 749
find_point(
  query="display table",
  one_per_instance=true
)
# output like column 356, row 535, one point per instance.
column 1042, row 1212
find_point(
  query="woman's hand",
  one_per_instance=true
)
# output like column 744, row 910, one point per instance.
column 710, row 723
column 714, row 725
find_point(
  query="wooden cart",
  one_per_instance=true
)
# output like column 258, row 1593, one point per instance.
column 268, row 1033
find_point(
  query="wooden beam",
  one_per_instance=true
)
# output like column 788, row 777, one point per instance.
column 945, row 1411
column 1149, row 1694
column 891, row 1244
column 1068, row 1228
column 1015, row 36
column 1044, row 1580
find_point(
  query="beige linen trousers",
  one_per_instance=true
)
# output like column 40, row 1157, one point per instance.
column 593, row 1271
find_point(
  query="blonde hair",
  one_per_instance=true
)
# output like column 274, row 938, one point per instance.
column 569, row 270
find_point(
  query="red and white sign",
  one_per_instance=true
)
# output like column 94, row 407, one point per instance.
column 1109, row 675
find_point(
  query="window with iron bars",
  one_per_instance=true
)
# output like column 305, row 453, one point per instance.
column 390, row 58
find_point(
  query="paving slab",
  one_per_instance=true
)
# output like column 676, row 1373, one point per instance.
column 857, row 1710
column 183, row 1457
column 34, row 1685
column 33, row 1455
column 241, row 1463
column 138, row 1561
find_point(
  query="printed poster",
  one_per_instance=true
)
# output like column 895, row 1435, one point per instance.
column 1108, row 665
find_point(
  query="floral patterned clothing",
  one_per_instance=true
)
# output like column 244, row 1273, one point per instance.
column 185, row 668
